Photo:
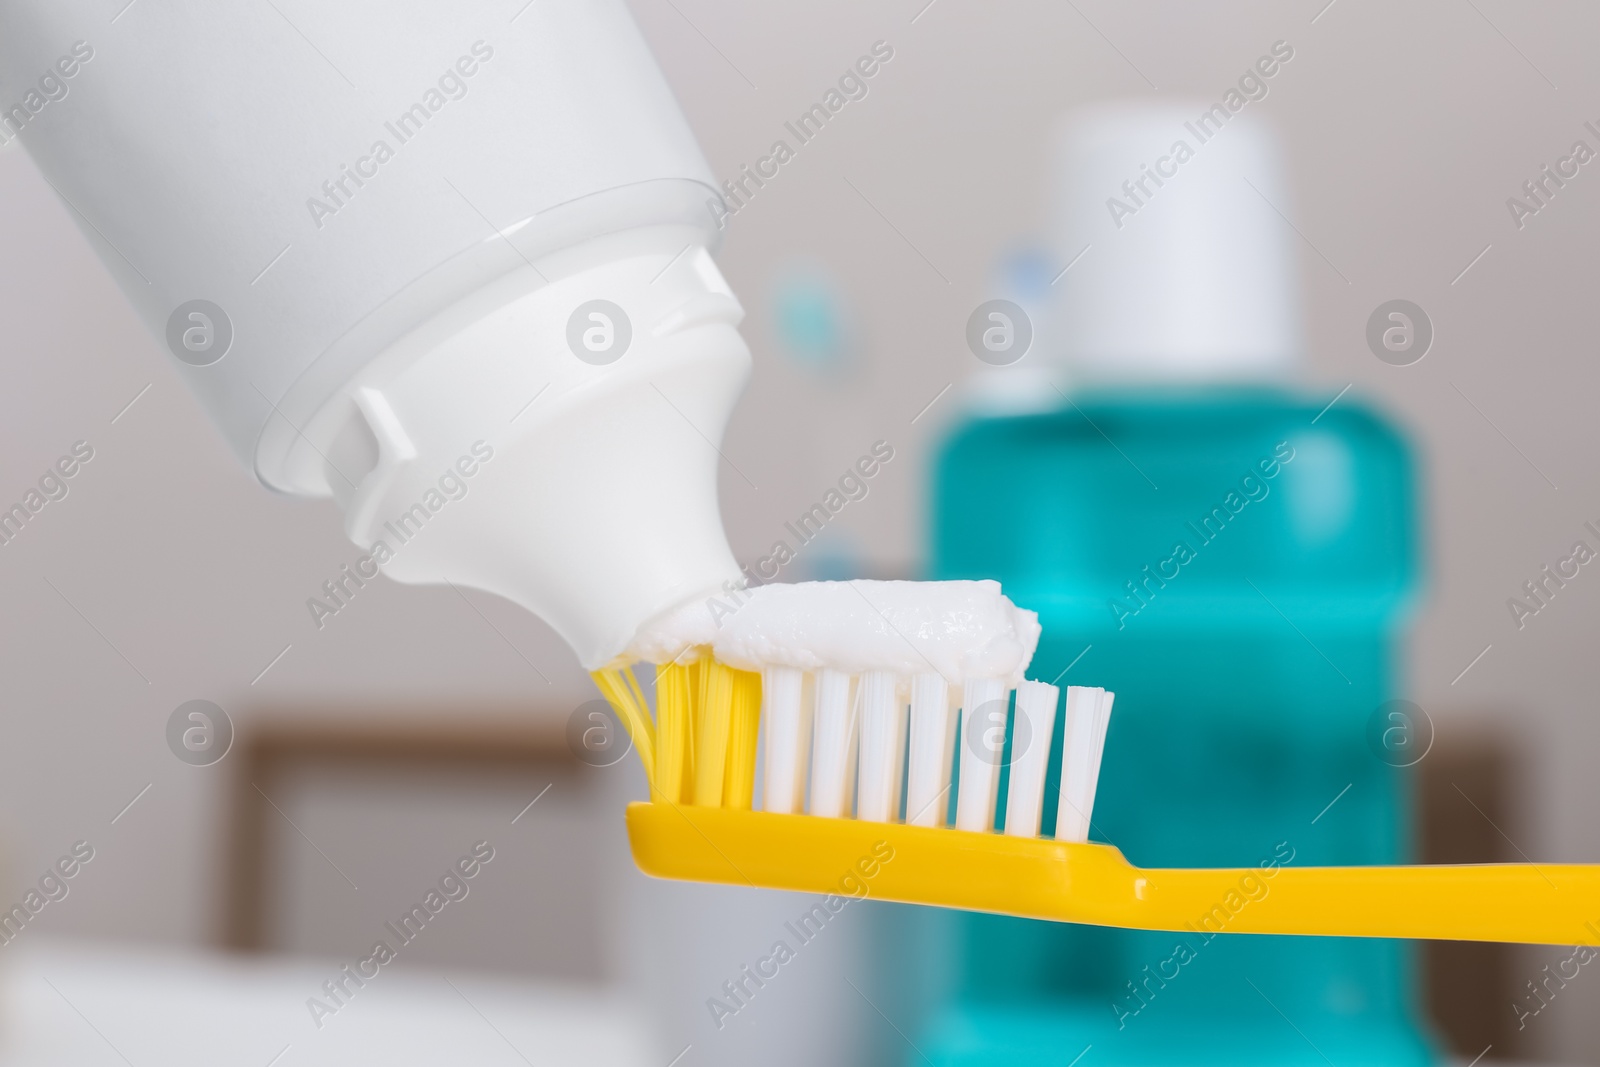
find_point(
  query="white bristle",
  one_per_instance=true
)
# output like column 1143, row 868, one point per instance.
column 902, row 723
column 1030, row 756
column 1102, row 720
column 784, row 722
column 882, row 747
column 1088, row 714
column 833, row 745
column 928, row 771
column 983, row 730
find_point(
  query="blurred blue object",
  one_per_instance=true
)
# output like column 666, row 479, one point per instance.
column 809, row 316
column 1237, row 569
column 834, row 556
column 1026, row 274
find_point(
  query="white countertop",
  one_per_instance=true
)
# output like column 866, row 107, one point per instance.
column 86, row 1004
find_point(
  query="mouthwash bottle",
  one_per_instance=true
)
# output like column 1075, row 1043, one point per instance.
column 1236, row 559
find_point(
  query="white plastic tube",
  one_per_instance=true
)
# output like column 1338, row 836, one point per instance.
column 370, row 240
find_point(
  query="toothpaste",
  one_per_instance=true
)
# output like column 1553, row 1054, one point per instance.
column 959, row 630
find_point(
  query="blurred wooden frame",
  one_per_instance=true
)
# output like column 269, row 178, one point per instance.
column 1466, row 804
column 274, row 744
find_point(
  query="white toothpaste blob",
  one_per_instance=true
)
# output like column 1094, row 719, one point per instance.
column 961, row 630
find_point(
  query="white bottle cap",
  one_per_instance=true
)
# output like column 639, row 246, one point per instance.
column 553, row 438
column 1189, row 273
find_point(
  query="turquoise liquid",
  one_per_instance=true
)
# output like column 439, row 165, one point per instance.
column 1248, row 654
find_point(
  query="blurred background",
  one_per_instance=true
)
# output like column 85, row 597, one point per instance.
column 371, row 753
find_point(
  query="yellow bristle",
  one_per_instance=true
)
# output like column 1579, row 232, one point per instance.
column 701, row 747
column 713, row 718
column 692, row 700
column 638, row 696
column 739, row 782
column 622, row 692
column 674, row 716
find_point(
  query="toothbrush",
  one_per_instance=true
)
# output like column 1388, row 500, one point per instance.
column 833, row 744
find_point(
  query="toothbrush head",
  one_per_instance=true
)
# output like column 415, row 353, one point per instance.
column 840, row 678
column 879, row 726
column 866, row 830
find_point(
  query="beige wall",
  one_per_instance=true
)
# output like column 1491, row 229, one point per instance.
column 1406, row 126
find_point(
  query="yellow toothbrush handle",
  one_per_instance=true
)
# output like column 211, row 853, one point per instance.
column 1547, row 904
column 1081, row 883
